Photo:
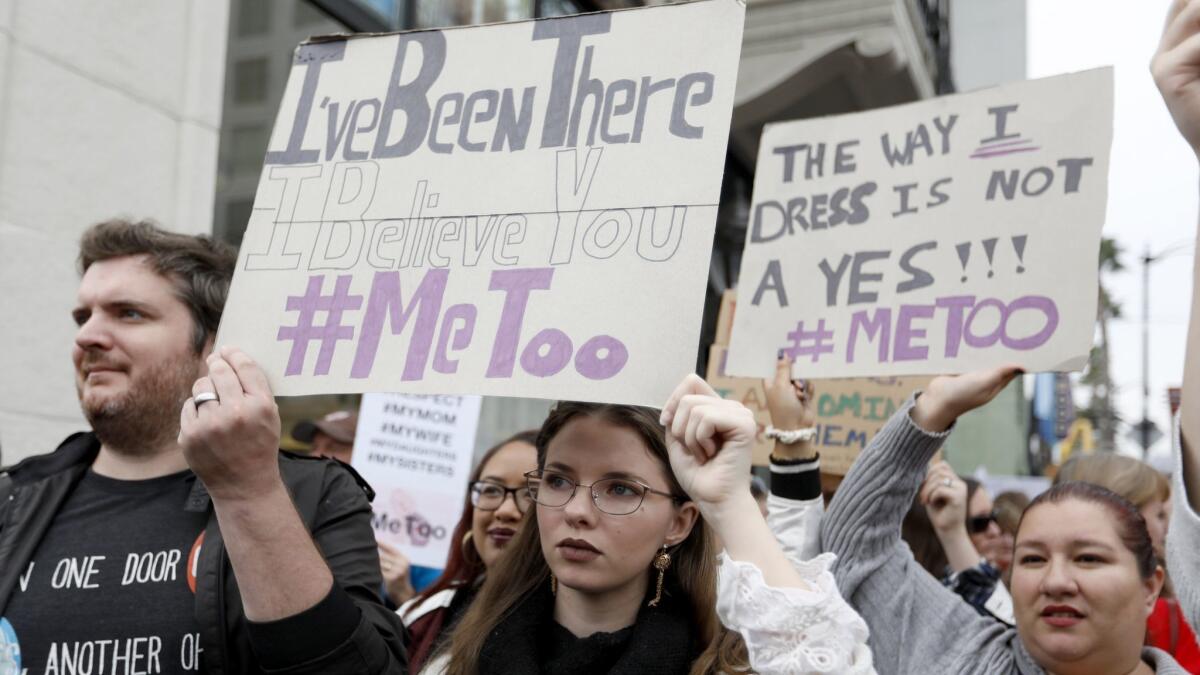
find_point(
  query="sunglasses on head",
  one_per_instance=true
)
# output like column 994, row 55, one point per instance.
column 979, row 524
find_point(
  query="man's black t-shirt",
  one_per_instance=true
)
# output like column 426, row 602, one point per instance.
column 111, row 589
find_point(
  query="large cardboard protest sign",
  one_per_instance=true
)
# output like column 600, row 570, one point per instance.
column 416, row 452
column 935, row 237
column 850, row 411
column 521, row 209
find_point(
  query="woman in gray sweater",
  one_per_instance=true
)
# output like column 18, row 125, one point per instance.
column 1083, row 582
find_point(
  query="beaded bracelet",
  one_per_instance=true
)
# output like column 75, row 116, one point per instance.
column 791, row 436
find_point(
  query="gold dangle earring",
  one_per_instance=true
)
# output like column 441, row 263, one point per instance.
column 553, row 584
column 661, row 562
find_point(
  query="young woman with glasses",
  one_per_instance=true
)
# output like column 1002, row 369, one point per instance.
column 497, row 499
column 615, row 570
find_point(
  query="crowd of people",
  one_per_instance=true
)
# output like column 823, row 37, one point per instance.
column 613, row 539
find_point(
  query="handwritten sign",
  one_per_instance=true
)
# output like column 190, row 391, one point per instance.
column 416, row 452
column 935, row 237
column 521, row 209
column 850, row 411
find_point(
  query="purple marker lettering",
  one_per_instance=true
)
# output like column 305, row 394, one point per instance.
column 978, row 341
column 905, row 333
column 591, row 365
column 558, row 353
column 385, row 302
column 955, row 306
column 462, row 336
column 516, row 285
column 1037, row 303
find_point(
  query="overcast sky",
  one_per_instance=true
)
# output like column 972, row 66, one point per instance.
column 1152, row 182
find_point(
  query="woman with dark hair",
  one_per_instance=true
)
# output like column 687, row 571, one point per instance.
column 615, row 571
column 497, row 498
column 983, row 527
column 944, row 537
column 1150, row 492
column 1084, row 576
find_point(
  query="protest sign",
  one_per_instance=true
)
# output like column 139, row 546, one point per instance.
column 850, row 411
column 936, row 237
column 520, row 209
column 416, row 453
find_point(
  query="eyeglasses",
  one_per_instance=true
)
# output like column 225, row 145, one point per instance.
column 488, row 496
column 979, row 524
column 614, row 496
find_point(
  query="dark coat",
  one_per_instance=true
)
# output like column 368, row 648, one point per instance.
column 334, row 505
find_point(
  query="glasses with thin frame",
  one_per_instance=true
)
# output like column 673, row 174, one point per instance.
column 614, row 496
column 489, row 496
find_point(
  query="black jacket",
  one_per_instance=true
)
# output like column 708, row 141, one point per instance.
column 350, row 631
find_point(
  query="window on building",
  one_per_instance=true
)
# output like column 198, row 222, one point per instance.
column 250, row 80
column 247, row 146
column 307, row 15
column 253, row 17
column 237, row 214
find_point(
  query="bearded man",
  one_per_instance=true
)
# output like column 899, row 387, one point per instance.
column 175, row 537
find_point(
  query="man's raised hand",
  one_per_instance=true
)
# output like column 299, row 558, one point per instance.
column 232, row 443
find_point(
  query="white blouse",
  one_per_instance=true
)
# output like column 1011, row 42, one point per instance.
column 794, row 631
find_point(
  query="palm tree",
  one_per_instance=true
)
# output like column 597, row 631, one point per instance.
column 1098, row 376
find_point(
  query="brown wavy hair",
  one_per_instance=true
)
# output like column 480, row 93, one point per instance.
column 200, row 268
column 519, row 573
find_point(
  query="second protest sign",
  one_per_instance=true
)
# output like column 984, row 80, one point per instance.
column 935, row 237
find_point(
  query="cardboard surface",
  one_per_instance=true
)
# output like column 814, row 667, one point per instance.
column 519, row 209
column 936, row 237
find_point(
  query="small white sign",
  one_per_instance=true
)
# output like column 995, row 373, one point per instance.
column 416, row 452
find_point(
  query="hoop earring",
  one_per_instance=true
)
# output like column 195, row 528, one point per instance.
column 468, row 548
column 662, row 561
column 553, row 584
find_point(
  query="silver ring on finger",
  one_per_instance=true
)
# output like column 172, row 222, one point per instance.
column 947, row 482
column 204, row 397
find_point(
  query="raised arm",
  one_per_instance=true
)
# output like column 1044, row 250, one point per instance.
column 791, row 617
column 309, row 609
column 795, row 505
column 1176, row 69
column 710, row 441
column 916, row 624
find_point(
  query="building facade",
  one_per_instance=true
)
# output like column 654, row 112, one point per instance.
column 107, row 109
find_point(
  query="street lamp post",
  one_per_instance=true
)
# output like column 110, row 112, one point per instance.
column 1145, row 426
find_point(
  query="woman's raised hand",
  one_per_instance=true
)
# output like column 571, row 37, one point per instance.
column 1176, row 68
column 949, row 396
column 790, row 402
column 710, row 440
